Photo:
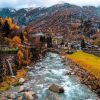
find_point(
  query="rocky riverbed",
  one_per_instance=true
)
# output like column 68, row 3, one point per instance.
column 52, row 69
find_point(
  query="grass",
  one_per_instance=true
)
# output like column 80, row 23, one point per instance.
column 89, row 62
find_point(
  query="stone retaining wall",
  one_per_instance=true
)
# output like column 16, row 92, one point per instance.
column 4, row 66
column 94, row 52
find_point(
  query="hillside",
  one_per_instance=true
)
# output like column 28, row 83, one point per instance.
column 32, row 14
column 68, row 19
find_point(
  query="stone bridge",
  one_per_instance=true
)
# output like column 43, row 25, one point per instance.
column 50, row 50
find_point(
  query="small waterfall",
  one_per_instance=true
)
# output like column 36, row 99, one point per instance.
column 10, row 68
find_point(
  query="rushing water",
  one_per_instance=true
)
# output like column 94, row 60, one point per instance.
column 52, row 69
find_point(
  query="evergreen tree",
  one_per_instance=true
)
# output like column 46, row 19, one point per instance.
column 6, row 29
column 21, row 36
column 83, row 45
column 49, row 41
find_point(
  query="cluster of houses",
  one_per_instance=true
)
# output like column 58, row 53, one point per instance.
column 57, row 41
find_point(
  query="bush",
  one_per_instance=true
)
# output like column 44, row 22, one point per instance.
column 97, row 42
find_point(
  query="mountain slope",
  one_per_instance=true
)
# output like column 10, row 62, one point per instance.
column 60, row 18
column 67, row 18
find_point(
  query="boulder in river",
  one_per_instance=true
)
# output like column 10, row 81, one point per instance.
column 11, row 96
column 56, row 88
column 21, row 80
column 21, row 89
column 20, row 98
column 30, row 95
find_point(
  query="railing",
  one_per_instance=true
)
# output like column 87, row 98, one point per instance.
column 5, row 49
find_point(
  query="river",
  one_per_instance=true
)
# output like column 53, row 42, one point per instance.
column 52, row 69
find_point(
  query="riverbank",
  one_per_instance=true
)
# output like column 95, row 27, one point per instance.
column 14, row 81
column 85, row 76
column 9, row 81
column 89, row 62
column 47, row 71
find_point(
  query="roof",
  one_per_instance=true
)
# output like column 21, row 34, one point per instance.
column 58, row 37
column 37, row 34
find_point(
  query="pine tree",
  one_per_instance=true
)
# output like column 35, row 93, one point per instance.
column 6, row 29
column 83, row 45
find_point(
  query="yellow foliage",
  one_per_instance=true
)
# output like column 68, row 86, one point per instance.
column 88, row 62
column 12, row 81
column 4, row 86
column 14, row 27
column 20, row 55
column 9, row 20
column 1, row 20
column 17, row 27
column 21, row 73
column 16, row 41
column 25, row 39
column 24, row 33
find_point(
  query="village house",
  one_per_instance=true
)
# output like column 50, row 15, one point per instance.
column 57, row 40
column 36, row 39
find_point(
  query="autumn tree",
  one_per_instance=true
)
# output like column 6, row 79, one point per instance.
column 25, row 37
column 16, row 41
column 20, row 56
column 21, row 37
column 1, row 23
column 97, row 42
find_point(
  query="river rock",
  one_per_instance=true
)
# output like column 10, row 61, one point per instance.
column 21, row 80
column 28, row 67
column 56, row 88
column 21, row 89
column 20, row 98
column 11, row 96
column 68, row 73
column 30, row 95
column 73, row 73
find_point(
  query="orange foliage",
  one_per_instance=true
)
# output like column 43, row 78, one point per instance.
column 9, row 20
column 14, row 27
column 23, row 53
column 23, row 57
column 16, row 41
column 1, row 20
column 20, row 55
column 25, row 37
